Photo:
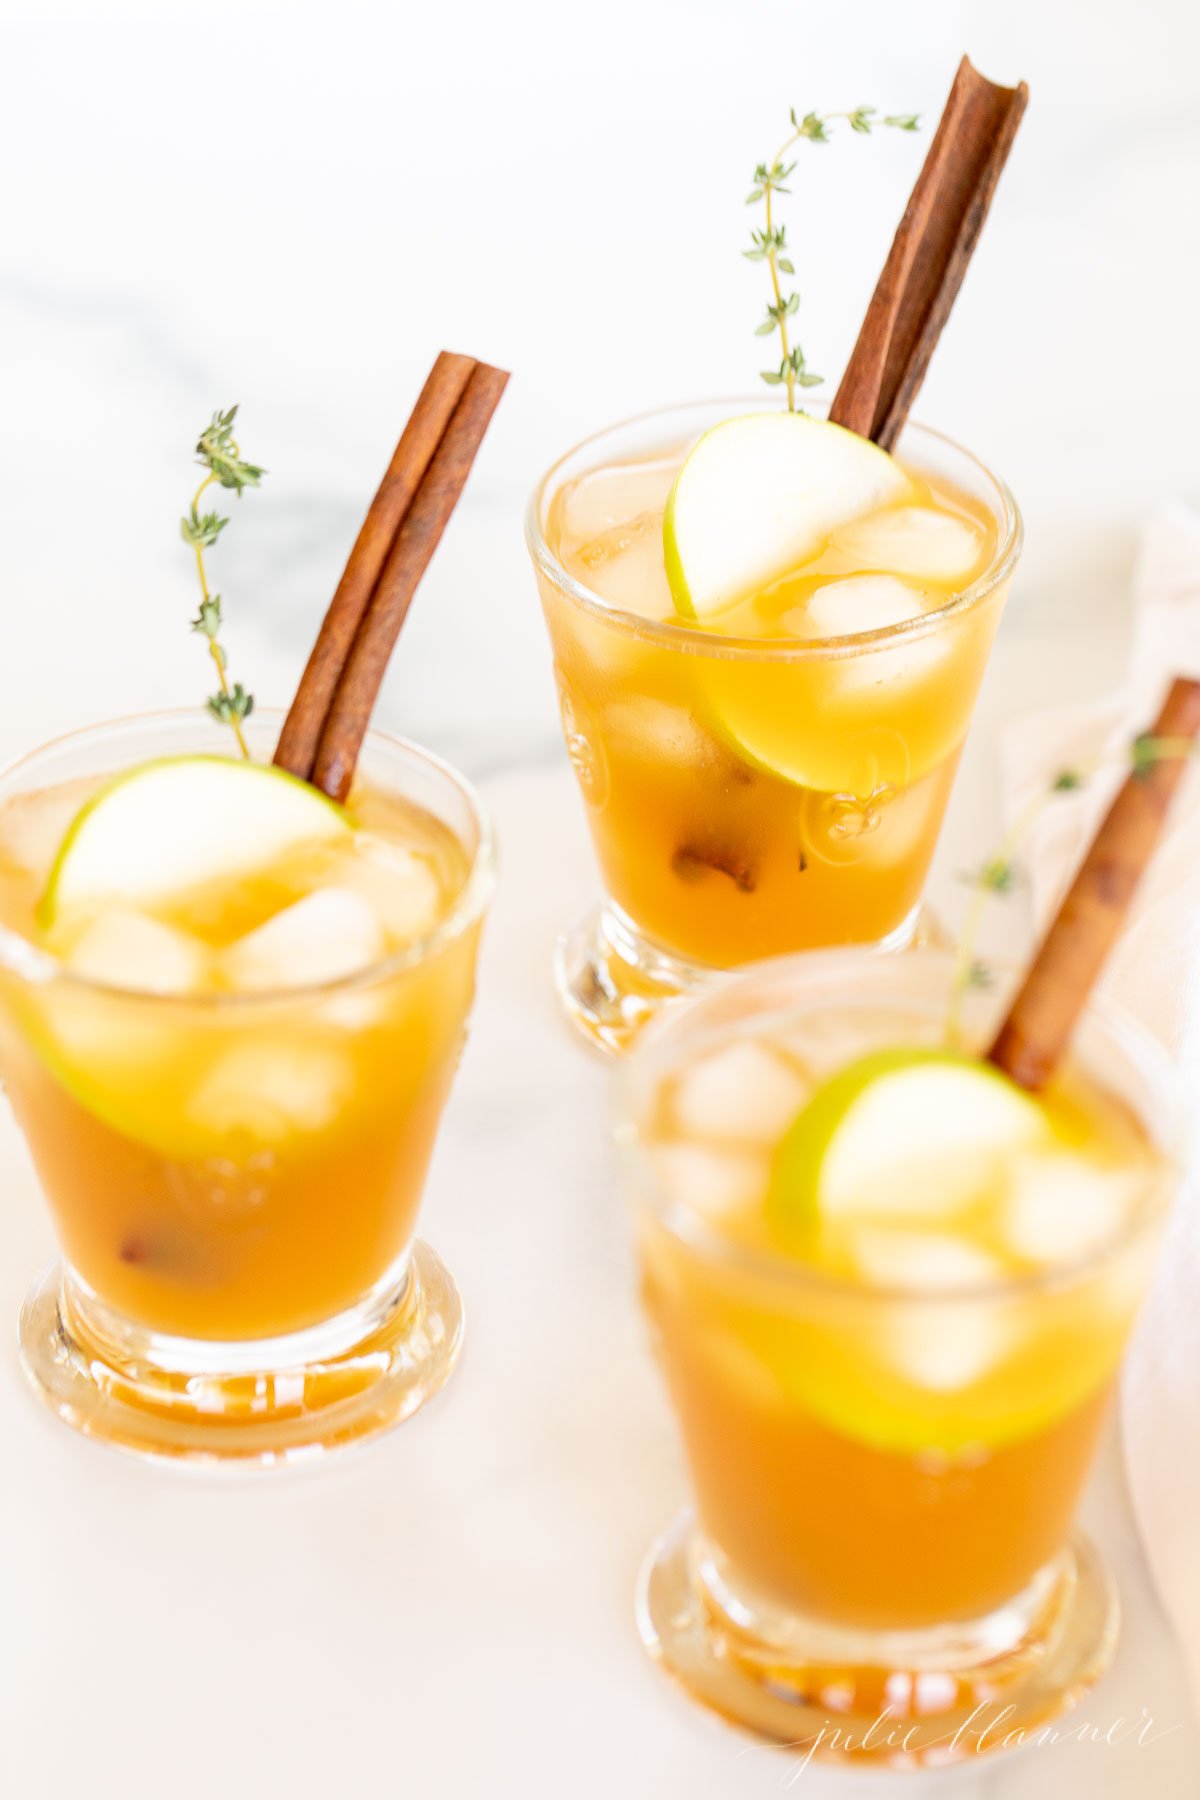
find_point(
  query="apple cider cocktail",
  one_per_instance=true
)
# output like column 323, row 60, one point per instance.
column 230, row 1014
column 768, row 637
column 889, row 1290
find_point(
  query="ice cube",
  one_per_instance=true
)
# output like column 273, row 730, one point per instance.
column 594, row 655
column 708, row 1180
column 398, row 885
column 655, row 730
column 331, row 933
column 33, row 826
column 922, row 1260
column 113, row 1055
column 606, row 499
column 913, row 540
column 743, row 1092
column 268, row 1089
column 625, row 567
column 862, row 603
column 128, row 949
column 946, row 1345
column 1062, row 1206
column 889, row 677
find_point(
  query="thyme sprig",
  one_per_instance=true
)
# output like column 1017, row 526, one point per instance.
column 1001, row 872
column 217, row 451
column 770, row 244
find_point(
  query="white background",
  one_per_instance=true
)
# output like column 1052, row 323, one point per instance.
column 295, row 207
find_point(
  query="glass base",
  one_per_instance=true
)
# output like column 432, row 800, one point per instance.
column 303, row 1397
column 915, row 1699
column 613, row 982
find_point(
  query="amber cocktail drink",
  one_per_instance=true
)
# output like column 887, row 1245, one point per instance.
column 770, row 776
column 890, row 1292
column 231, row 1087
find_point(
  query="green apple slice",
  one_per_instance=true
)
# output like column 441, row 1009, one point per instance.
column 757, row 496
column 138, row 846
column 154, row 832
column 910, row 1133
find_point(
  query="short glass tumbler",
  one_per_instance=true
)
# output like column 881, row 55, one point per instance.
column 235, row 1177
column 881, row 1565
column 749, row 797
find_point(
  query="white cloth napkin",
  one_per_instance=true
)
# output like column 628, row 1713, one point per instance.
column 1155, row 974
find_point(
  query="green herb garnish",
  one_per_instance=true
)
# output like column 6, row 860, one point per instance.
column 770, row 244
column 1001, row 872
column 217, row 451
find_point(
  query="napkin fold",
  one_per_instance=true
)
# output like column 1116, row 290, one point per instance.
column 1154, row 974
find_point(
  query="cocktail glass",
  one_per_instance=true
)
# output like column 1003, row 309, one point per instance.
column 882, row 1563
column 749, row 797
column 235, row 1177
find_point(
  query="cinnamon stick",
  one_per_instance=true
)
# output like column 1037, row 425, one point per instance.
column 1055, row 990
column 297, row 747
column 929, row 256
column 328, row 719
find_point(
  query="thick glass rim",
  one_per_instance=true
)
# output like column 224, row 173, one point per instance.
column 40, row 967
column 693, row 639
column 842, row 967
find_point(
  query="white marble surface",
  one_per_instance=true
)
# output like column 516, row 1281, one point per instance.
column 295, row 206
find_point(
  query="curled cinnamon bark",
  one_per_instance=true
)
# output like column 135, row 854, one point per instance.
column 1055, row 991
column 929, row 256
column 328, row 719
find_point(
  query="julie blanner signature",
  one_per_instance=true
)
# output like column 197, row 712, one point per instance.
column 988, row 1728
